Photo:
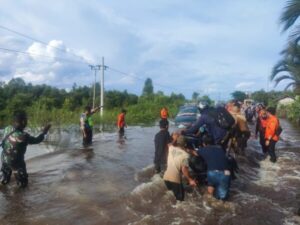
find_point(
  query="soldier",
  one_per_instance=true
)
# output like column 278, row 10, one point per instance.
column 14, row 146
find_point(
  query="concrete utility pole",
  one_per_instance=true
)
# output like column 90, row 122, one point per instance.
column 95, row 68
column 103, row 67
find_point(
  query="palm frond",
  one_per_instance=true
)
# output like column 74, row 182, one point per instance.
column 283, row 77
column 290, row 14
column 280, row 66
column 289, row 85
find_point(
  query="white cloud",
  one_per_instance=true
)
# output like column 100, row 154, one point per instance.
column 244, row 85
column 212, row 46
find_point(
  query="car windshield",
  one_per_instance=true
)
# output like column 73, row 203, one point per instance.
column 188, row 110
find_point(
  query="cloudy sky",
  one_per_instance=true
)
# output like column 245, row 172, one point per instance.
column 212, row 47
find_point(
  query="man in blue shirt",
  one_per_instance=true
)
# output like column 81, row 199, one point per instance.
column 218, row 134
column 218, row 174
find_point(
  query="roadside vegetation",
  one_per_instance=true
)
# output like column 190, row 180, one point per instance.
column 288, row 67
column 45, row 104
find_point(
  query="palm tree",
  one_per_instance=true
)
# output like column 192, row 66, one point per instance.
column 288, row 68
column 289, row 16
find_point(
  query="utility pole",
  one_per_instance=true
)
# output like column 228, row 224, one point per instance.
column 95, row 68
column 103, row 67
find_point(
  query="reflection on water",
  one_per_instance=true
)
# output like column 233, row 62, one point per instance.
column 113, row 182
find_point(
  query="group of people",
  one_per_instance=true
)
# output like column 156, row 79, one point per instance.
column 15, row 141
column 86, row 124
column 217, row 130
column 214, row 129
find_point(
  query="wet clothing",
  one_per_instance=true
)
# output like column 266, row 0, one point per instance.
column 86, row 124
column 260, row 129
column 217, row 163
column 214, row 157
column 220, row 182
column 14, row 149
column 177, row 158
column 161, row 141
column 177, row 189
column 272, row 125
column 121, row 120
column 164, row 114
column 121, row 124
column 271, row 151
column 219, row 134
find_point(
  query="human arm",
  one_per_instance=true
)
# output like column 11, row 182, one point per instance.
column 40, row 138
column 193, row 129
column 96, row 109
column 185, row 172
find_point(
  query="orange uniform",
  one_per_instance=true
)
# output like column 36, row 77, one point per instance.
column 272, row 124
column 121, row 120
column 164, row 114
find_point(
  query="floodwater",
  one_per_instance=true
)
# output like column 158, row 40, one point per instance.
column 113, row 183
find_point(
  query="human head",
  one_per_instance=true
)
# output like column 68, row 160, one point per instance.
column 260, row 106
column 175, row 136
column 181, row 141
column 264, row 114
column 203, row 105
column 163, row 124
column 207, row 140
column 87, row 109
column 20, row 120
column 124, row 111
column 271, row 110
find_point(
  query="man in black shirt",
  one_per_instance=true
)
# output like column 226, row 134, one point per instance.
column 161, row 141
column 218, row 174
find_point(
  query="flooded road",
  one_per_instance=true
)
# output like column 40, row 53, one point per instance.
column 113, row 183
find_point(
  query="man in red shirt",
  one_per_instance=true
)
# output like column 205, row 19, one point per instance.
column 121, row 122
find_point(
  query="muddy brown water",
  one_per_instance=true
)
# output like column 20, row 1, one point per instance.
column 113, row 183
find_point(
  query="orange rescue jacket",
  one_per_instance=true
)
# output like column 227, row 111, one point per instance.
column 272, row 124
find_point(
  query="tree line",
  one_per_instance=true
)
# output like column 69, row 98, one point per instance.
column 45, row 103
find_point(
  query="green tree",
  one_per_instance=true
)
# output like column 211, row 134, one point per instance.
column 195, row 96
column 239, row 95
column 148, row 87
column 206, row 98
column 260, row 96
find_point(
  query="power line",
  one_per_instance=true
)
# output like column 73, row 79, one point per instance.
column 30, row 54
column 36, row 40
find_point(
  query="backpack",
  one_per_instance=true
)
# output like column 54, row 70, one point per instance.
column 223, row 118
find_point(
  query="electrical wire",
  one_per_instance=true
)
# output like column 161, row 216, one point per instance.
column 30, row 54
column 36, row 40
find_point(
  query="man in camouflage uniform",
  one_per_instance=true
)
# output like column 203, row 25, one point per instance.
column 14, row 145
